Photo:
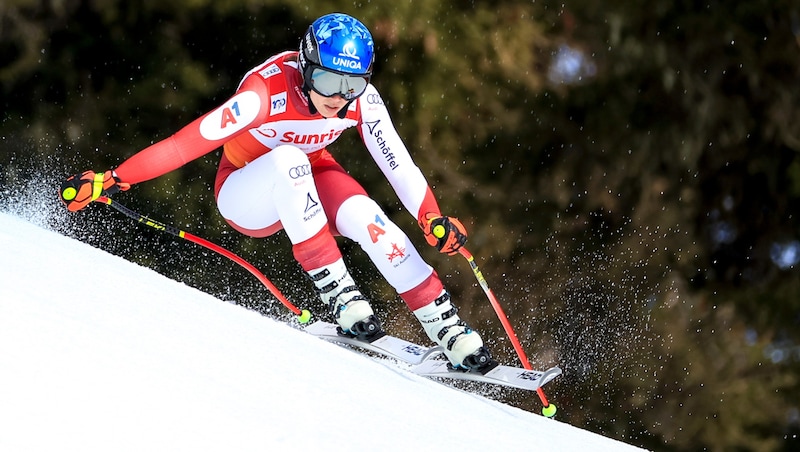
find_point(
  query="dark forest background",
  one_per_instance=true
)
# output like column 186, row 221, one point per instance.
column 629, row 174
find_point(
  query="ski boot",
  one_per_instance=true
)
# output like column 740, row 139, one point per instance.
column 462, row 345
column 348, row 307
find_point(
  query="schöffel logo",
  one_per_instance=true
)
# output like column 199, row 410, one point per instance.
column 300, row 171
column 312, row 206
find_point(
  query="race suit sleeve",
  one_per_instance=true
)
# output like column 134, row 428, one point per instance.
column 245, row 110
column 390, row 153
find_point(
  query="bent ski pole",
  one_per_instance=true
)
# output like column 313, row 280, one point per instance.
column 302, row 316
column 549, row 409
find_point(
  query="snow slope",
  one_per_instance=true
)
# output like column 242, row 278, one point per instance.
column 133, row 361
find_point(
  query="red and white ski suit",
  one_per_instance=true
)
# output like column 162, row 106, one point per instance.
column 277, row 173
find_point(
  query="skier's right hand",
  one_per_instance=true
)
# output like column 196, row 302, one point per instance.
column 81, row 189
column 447, row 234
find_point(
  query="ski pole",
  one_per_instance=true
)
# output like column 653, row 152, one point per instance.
column 548, row 409
column 303, row 316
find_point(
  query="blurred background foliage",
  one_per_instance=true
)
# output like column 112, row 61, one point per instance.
column 629, row 176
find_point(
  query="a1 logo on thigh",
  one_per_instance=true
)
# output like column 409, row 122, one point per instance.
column 375, row 231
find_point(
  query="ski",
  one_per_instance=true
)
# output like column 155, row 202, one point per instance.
column 420, row 359
column 390, row 346
column 513, row 377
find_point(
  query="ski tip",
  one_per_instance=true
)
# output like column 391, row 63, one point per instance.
column 549, row 411
column 548, row 375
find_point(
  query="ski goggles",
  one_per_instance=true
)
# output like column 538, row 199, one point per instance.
column 329, row 84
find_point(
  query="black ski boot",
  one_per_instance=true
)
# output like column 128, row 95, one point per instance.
column 367, row 330
column 480, row 362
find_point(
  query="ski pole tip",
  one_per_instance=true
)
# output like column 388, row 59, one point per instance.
column 304, row 316
column 549, row 411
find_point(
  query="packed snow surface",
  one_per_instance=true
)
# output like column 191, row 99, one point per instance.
column 100, row 354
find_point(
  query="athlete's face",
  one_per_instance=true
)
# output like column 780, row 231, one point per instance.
column 327, row 106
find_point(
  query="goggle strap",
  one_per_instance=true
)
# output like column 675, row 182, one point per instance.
column 343, row 112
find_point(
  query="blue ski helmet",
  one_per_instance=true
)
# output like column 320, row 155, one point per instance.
column 338, row 44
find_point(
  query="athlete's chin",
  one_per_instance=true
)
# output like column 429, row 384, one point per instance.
column 328, row 112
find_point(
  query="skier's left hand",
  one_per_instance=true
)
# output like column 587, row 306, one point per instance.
column 447, row 234
column 79, row 190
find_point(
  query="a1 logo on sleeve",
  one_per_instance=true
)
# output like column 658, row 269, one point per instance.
column 236, row 114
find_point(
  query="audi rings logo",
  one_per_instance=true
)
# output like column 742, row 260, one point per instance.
column 300, row 171
column 374, row 99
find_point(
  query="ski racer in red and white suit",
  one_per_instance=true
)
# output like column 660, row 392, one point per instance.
column 276, row 172
column 269, row 114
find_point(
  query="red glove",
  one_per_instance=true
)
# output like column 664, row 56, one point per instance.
column 81, row 189
column 447, row 234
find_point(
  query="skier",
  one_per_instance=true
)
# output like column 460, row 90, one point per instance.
column 276, row 172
